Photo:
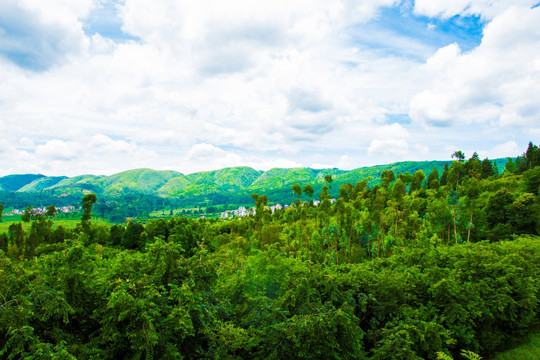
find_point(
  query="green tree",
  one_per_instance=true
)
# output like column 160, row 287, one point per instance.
column 329, row 180
column 417, row 180
column 434, row 175
column 487, row 169
column 444, row 175
column 510, row 167
column 297, row 190
column 51, row 211
column 398, row 192
column 87, row 202
column 532, row 155
column 28, row 214
column 458, row 155
column 4, row 241
column 453, row 199
column 1, row 211
column 471, row 190
column 308, row 190
column 132, row 238
column 387, row 176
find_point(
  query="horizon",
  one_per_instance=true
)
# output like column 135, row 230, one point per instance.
column 241, row 166
column 105, row 86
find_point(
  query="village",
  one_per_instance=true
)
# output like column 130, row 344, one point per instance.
column 43, row 210
column 242, row 211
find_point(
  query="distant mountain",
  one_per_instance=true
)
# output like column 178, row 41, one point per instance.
column 228, row 186
column 15, row 182
column 138, row 180
column 42, row 183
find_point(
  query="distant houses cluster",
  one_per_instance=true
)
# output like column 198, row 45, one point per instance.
column 242, row 211
column 43, row 210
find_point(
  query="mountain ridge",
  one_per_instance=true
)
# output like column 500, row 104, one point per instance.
column 226, row 181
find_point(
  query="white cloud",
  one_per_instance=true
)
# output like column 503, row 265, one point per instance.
column 388, row 147
column 508, row 149
column 58, row 150
column 488, row 9
column 42, row 34
column 281, row 83
column 495, row 83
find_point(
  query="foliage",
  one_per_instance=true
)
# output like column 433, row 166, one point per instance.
column 403, row 269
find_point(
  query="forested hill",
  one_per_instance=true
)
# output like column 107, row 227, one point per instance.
column 421, row 266
column 225, row 186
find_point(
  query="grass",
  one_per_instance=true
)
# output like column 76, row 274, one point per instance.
column 530, row 349
column 66, row 223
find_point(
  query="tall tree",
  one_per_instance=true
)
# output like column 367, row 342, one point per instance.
column 471, row 191
column 308, row 190
column 297, row 190
column 87, row 202
column 532, row 155
column 328, row 179
column 444, row 175
column 398, row 191
column 28, row 214
column 417, row 180
column 487, row 169
column 51, row 211
column 387, row 176
column 434, row 175
column 458, row 155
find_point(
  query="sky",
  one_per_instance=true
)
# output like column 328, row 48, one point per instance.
column 103, row 86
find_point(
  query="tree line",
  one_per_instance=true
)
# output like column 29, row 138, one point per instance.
column 410, row 268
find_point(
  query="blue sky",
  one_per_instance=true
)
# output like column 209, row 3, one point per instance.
column 98, row 86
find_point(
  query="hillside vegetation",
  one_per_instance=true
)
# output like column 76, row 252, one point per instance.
column 414, row 267
column 165, row 190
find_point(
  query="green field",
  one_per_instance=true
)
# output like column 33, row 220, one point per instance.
column 66, row 223
column 530, row 349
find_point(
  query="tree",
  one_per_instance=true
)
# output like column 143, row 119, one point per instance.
column 453, row 198
column 398, row 191
column 308, row 190
column 132, row 238
column 87, row 202
column 487, row 169
column 444, row 175
column 531, row 181
column 417, row 180
column 473, row 167
column 532, row 155
column 28, row 214
column 510, row 167
column 51, row 211
column 434, row 175
column 297, row 190
column 471, row 193
column 387, row 176
column 458, row 155
column 1, row 211
column 328, row 179
column 4, row 242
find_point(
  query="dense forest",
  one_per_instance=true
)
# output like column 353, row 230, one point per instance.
column 410, row 266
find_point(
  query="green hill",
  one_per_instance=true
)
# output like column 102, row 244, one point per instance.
column 15, row 182
column 228, row 186
column 138, row 180
column 42, row 183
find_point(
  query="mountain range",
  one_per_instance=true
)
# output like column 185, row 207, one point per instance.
column 233, row 184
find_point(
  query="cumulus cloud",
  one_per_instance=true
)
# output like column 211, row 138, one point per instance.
column 494, row 83
column 201, row 85
column 390, row 140
column 484, row 8
column 58, row 150
column 37, row 35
